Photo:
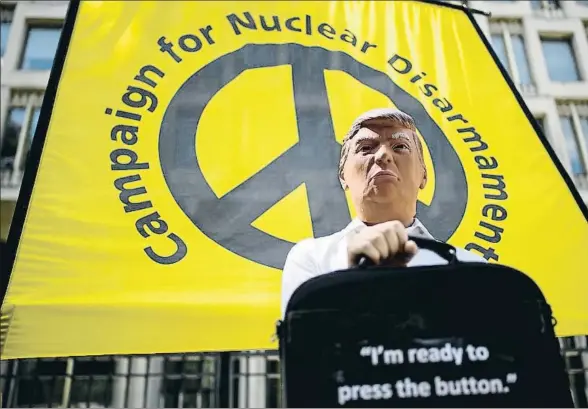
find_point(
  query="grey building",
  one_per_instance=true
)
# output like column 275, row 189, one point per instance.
column 542, row 43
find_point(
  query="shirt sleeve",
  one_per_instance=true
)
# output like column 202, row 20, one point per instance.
column 299, row 267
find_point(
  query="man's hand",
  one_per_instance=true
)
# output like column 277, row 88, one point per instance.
column 385, row 243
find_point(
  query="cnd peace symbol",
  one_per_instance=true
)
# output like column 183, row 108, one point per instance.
column 313, row 160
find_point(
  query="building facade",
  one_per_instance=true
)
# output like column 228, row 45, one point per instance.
column 542, row 43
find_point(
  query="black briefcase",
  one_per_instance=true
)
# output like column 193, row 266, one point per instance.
column 454, row 335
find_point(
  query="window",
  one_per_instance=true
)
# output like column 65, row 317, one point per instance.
column 584, row 128
column 10, row 140
column 184, row 381
column 545, row 4
column 42, row 382
column 572, row 147
column 40, row 48
column 518, row 46
column 500, row 49
column 6, row 20
column 560, row 59
column 189, row 381
column 574, row 124
column 541, row 122
column 21, row 122
column 509, row 44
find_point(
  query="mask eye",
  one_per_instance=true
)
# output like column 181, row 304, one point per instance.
column 365, row 148
column 402, row 147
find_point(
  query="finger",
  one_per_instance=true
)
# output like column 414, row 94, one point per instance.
column 403, row 257
column 392, row 239
column 379, row 241
column 392, row 243
column 402, row 235
column 410, row 248
column 370, row 251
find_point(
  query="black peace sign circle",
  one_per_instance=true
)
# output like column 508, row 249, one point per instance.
column 313, row 160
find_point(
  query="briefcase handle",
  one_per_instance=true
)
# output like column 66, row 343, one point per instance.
column 444, row 250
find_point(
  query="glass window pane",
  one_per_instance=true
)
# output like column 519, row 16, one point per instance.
column 518, row 46
column 6, row 13
column 554, row 3
column 10, row 142
column 540, row 121
column 40, row 48
column 584, row 126
column 11, row 133
column 38, row 384
column 536, row 4
column 34, row 121
column 572, row 145
column 5, row 29
column 560, row 59
column 500, row 49
column 29, row 140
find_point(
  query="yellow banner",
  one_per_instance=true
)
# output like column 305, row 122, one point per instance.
column 192, row 144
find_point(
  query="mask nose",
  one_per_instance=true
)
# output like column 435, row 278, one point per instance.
column 383, row 156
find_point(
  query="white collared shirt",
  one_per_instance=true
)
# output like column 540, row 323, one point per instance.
column 312, row 257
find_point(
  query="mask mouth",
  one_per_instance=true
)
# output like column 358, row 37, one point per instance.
column 384, row 174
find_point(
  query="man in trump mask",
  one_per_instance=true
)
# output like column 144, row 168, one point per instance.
column 383, row 167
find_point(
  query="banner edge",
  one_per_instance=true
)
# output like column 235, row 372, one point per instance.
column 36, row 150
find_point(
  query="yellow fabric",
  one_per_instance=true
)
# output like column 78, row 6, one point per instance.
column 82, row 283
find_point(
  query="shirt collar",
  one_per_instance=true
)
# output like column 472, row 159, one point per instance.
column 415, row 229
